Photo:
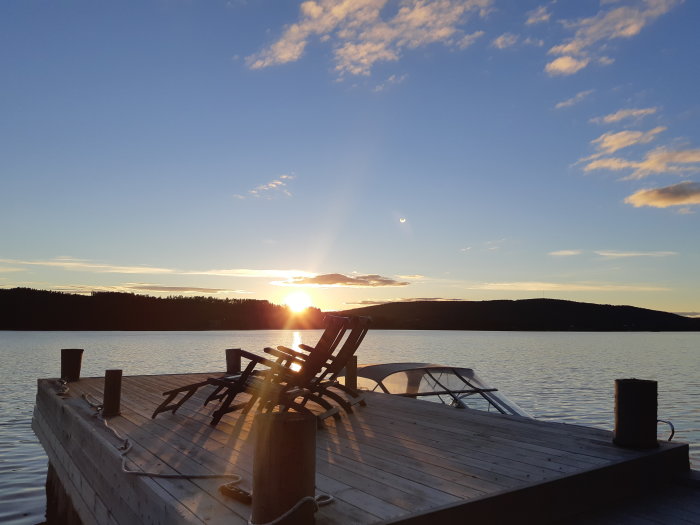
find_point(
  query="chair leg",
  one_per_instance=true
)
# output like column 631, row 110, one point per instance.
column 356, row 398
column 226, row 407
column 215, row 395
column 168, row 405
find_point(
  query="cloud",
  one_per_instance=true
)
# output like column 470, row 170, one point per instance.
column 247, row 272
column 566, row 65
column 537, row 16
column 178, row 289
column 340, row 280
column 688, row 314
column 370, row 302
column 624, row 114
column 68, row 263
column 12, row 269
column 593, row 33
column 613, row 254
column 391, row 81
column 468, row 40
column 505, row 40
column 565, row 253
column 609, row 143
column 361, row 37
column 270, row 190
column 684, row 193
column 659, row 160
column 535, row 286
column 578, row 97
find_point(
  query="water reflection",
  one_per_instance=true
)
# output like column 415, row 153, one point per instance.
column 556, row 376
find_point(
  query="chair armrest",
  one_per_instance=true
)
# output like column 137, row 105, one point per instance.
column 306, row 347
column 258, row 359
column 287, row 353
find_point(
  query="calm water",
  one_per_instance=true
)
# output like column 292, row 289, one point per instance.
column 556, row 376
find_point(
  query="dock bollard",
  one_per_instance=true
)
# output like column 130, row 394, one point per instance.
column 71, row 360
column 233, row 361
column 112, row 393
column 284, row 467
column 635, row 413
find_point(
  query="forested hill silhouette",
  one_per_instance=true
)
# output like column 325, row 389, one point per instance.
column 27, row 309
column 527, row 314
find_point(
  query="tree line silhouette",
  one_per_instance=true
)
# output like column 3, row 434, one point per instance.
column 29, row 309
column 522, row 315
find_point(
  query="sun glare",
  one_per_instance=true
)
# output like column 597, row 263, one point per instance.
column 298, row 301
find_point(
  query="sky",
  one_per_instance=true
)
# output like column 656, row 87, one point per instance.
column 358, row 151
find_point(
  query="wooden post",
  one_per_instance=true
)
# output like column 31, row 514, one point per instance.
column 351, row 373
column 233, row 361
column 112, row 393
column 71, row 359
column 635, row 413
column 284, row 467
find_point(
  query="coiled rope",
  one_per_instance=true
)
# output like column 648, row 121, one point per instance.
column 125, row 447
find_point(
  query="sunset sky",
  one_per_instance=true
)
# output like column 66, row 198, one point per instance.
column 360, row 151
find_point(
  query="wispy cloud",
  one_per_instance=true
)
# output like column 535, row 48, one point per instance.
column 340, row 280
column 590, row 35
column 566, row 65
column 371, row 302
column 537, row 286
column 249, row 272
column 578, row 97
column 610, row 142
column 537, row 16
column 505, row 40
column 624, row 114
column 565, row 253
column 361, row 37
column 468, row 40
column 392, row 80
column 68, row 263
column 157, row 288
column 270, row 190
column 659, row 160
column 681, row 194
column 615, row 254
column 10, row 269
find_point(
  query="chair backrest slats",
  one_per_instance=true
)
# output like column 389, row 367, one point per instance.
column 359, row 327
column 336, row 327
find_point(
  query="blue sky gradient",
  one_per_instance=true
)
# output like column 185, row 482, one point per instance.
column 253, row 148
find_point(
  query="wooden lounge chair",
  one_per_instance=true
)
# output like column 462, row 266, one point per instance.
column 275, row 386
column 325, row 384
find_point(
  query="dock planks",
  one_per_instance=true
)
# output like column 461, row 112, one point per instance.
column 396, row 460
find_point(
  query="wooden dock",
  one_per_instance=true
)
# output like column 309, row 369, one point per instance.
column 395, row 460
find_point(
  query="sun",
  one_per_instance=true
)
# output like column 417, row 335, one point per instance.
column 298, row 301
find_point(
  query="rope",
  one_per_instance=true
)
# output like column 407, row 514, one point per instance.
column 62, row 387
column 318, row 501
column 126, row 446
column 673, row 430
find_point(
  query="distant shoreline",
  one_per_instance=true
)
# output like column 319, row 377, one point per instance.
column 24, row 309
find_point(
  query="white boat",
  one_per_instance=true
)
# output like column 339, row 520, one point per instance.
column 454, row 386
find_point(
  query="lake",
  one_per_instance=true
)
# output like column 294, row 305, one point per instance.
column 556, row 376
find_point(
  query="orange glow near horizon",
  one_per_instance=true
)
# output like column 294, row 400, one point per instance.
column 298, row 301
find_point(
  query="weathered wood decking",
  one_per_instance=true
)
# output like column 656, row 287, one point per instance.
column 397, row 459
